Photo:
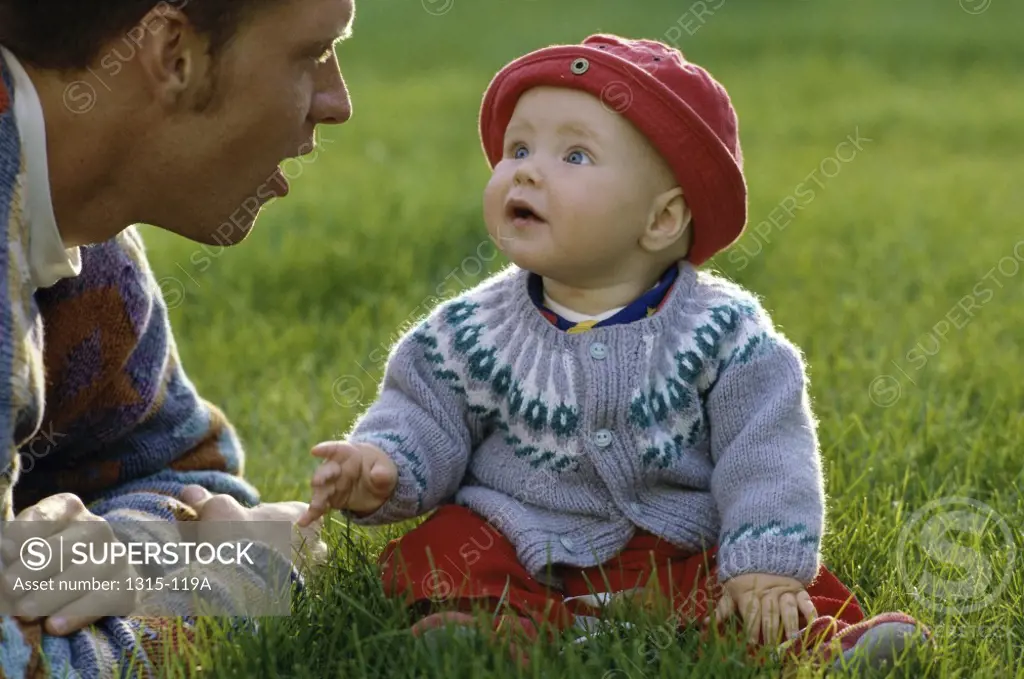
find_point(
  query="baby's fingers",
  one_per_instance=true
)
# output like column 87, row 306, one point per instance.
column 751, row 612
column 806, row 606
column 770, row 618
column 725, row 608
column 327, row 473
column 790, row 615
column 318, row 505
column 312, row 513
column 333, row 450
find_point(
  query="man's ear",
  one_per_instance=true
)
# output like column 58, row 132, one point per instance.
column 668, row 223
column 171, row 55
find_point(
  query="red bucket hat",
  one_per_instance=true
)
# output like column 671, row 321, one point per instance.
column 684, row 112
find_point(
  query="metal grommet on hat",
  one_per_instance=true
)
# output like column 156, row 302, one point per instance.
column 580, row 66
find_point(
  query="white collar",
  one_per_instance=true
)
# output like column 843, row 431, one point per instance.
column 49, row 261
column 575, row 316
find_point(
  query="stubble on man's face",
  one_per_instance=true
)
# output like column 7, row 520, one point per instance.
column 253, row 109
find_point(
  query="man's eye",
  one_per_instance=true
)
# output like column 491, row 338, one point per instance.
column 520, row 151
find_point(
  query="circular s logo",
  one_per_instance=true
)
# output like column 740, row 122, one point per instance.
column 956, row 555
column 36, row 554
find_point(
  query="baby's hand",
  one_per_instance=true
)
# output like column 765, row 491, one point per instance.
column 358, row 477
column 762, row 599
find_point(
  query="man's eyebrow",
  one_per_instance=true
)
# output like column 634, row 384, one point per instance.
column 331, row 40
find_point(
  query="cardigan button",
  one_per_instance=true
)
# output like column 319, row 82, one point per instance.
column 599, row 351
column 567, row 543
column 602, row 438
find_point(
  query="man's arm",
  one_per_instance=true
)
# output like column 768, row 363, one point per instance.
column 122, row 418
column 126, row 430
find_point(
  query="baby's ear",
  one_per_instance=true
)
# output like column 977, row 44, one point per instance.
column 669, row 222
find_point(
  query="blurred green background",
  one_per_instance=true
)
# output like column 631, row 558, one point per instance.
column 899, row 278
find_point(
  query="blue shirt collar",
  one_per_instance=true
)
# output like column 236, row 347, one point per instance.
column 643, row 306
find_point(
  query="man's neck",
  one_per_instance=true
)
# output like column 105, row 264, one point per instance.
column 82, row 149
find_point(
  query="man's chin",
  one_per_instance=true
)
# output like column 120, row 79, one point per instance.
column 231, row 231
column 225, row 234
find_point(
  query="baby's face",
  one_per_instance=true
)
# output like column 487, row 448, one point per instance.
column 574, row 189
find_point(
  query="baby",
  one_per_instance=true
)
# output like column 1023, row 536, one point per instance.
column 600, row 417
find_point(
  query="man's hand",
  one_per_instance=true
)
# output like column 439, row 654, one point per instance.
column 309, row 549
column 762, row 600
column 54, row 518
column 358, row 477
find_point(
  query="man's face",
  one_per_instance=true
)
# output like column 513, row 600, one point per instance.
column 274, row 83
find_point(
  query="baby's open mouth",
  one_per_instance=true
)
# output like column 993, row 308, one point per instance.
column 522, row 214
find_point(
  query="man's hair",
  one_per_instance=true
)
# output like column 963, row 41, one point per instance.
column 67, row 35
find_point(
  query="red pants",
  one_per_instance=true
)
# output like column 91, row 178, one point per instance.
column 456, row 558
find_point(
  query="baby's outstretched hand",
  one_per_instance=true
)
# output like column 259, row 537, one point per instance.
column 762, row 600
column 357, row 477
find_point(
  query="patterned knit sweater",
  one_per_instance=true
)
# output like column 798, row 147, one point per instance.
column 93, row 401
column 693, row 424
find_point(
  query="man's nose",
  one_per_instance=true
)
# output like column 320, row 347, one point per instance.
column 331, row 103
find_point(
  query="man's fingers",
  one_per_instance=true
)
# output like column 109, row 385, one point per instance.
column 806, row 606
column 85, row 610
column 59, row 507
column 213, row 507
column 770, row 618
column 63, row 626
column 194, row 495
column 216, row 506
column 42, row 520
column 790, row 614
column 40, row 563
column 41, row 560
column 65, row 595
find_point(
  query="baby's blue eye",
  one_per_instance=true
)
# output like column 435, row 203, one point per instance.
column 577, row 158
column 520, row 152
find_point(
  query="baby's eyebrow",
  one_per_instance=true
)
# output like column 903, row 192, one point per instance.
column 517, row 127
column 577, row 130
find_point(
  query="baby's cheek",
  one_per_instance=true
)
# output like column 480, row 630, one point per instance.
column 493, row 201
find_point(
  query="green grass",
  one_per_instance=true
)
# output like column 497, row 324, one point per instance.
column 281, row 331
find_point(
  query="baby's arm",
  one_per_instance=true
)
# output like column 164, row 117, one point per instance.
column 767, row 480
column 419, row 422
